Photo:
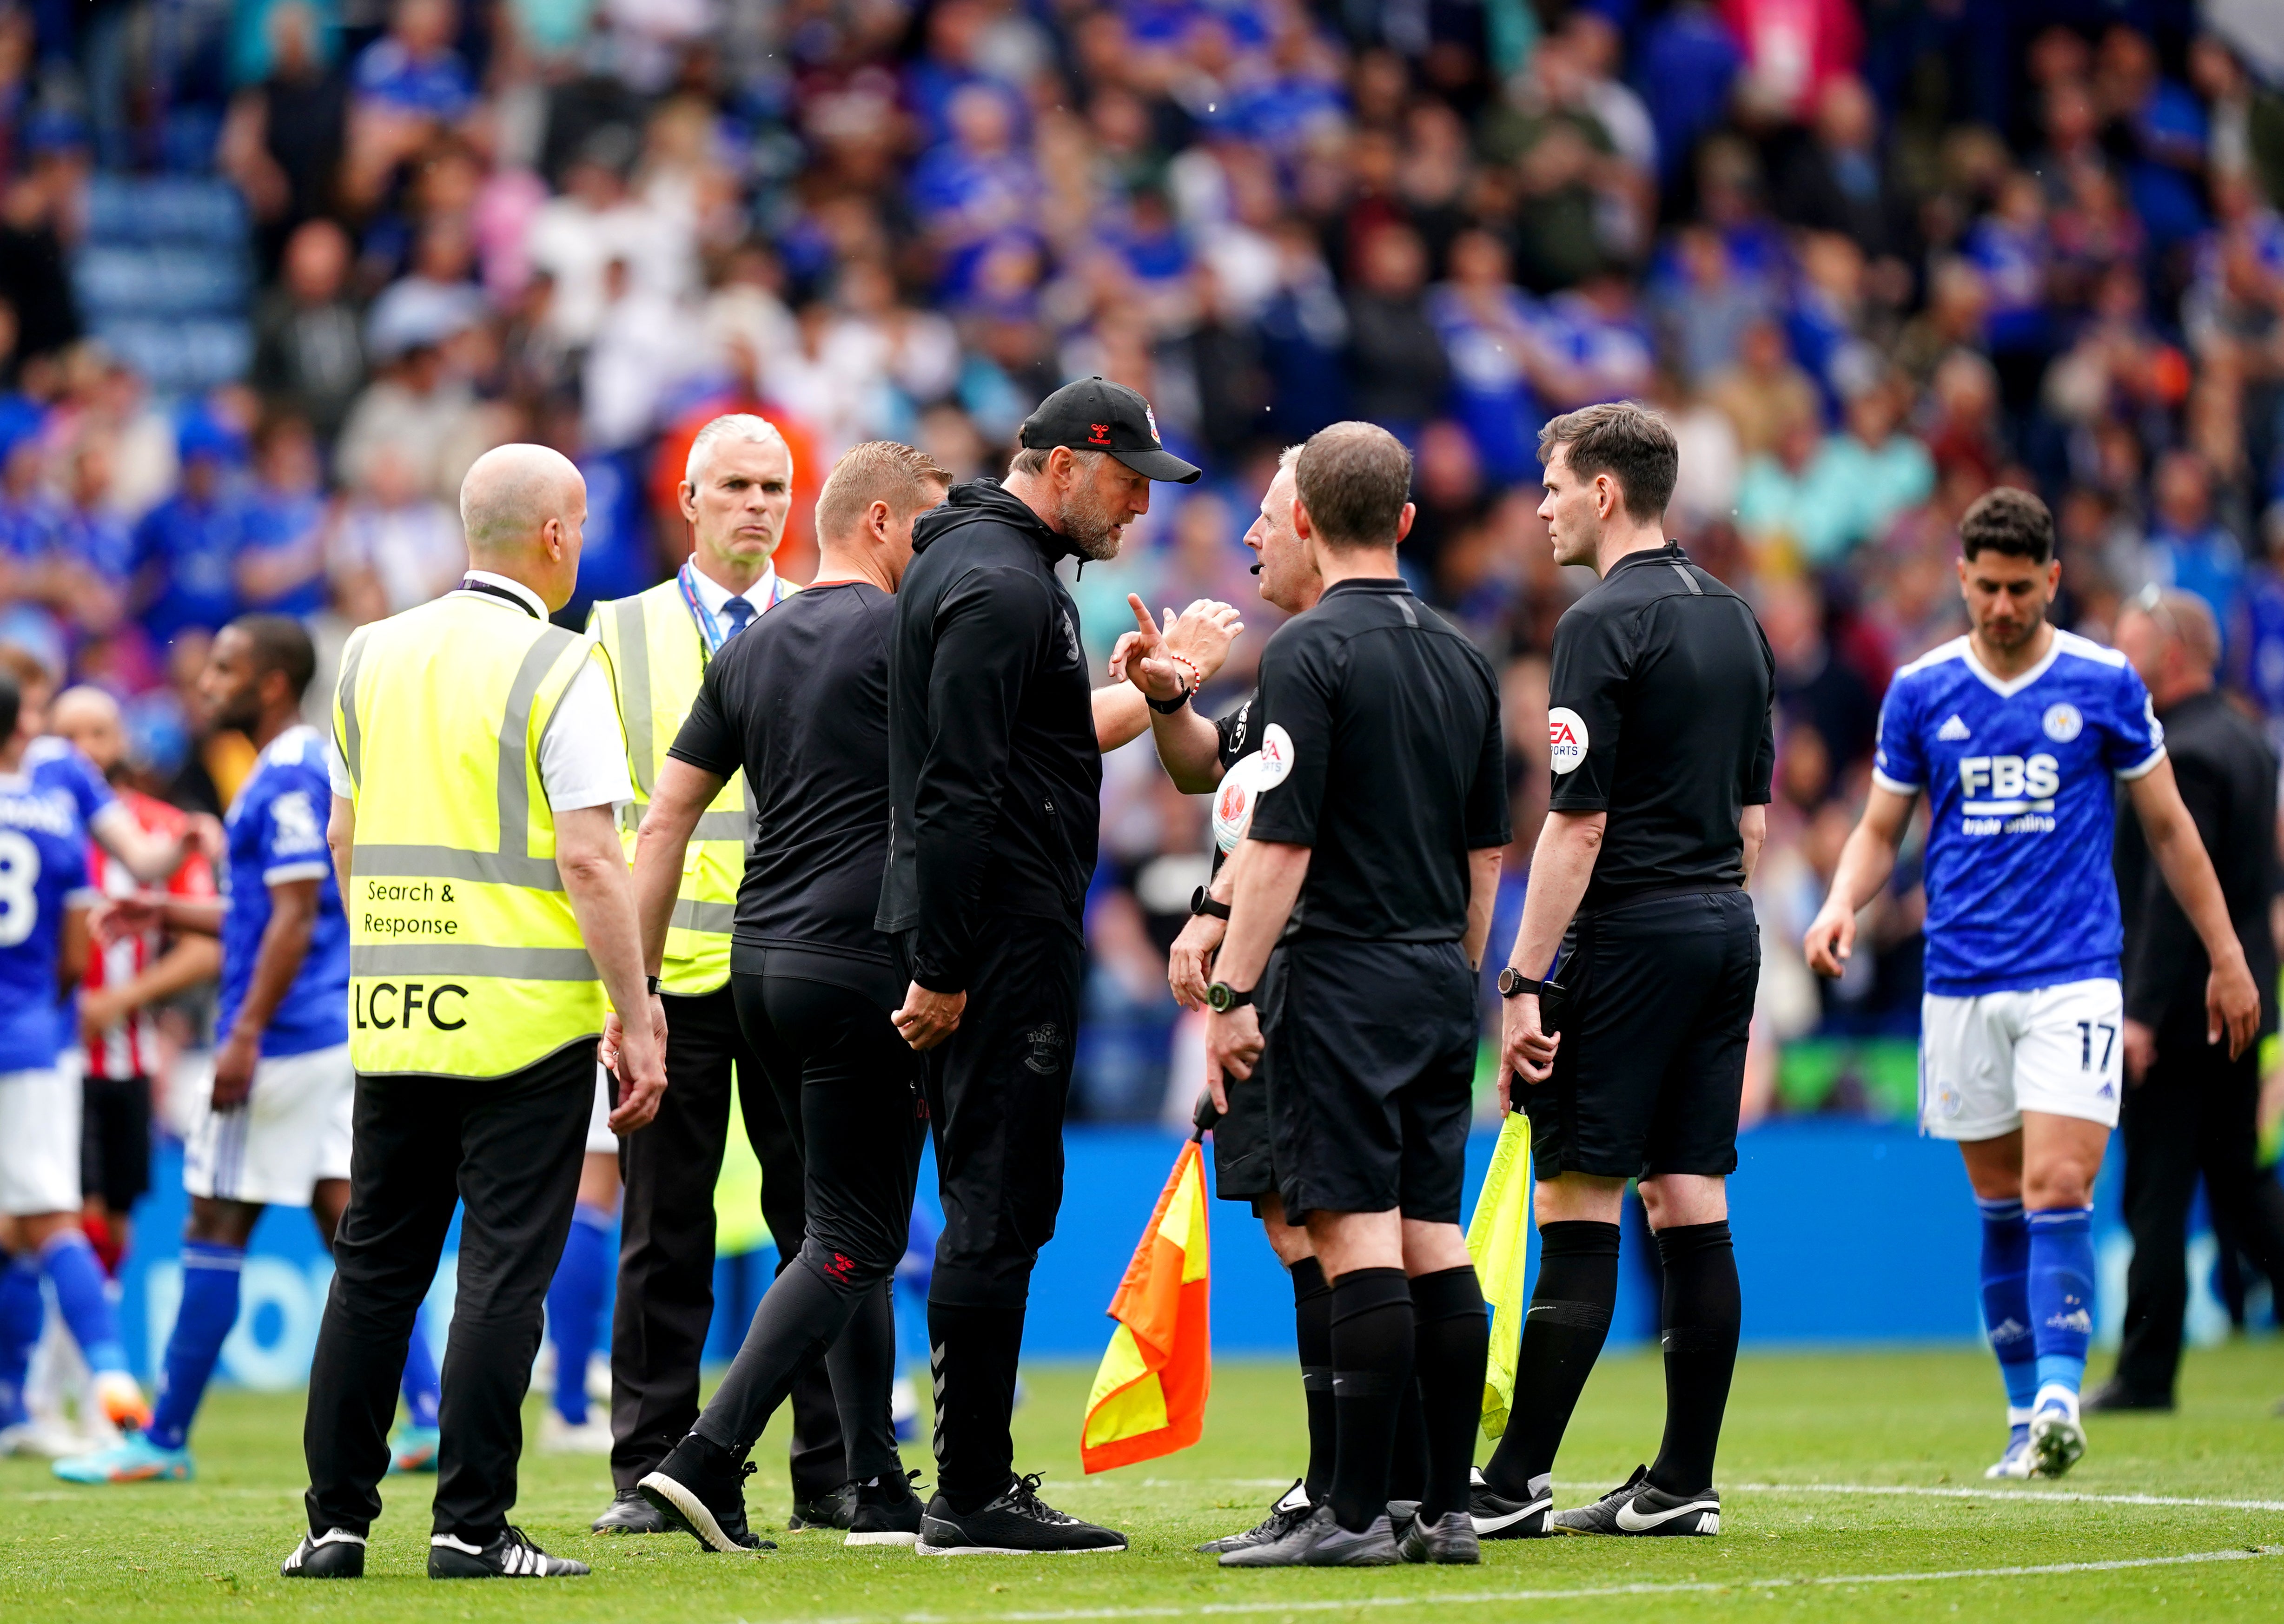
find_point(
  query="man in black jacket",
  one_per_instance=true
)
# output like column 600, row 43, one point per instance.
column 2188, row 1108
column 994, row 776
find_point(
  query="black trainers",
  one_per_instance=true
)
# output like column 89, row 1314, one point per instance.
column 334, row 1554
column 701, row 1488
column 834, row 1509
column 1017, row 1524
column 509, row 1554
column 1636, row 1508
column 1498, row 1518
column 1320, row 1541
column 629, row 1513
column 887, row 1512
column 1451, row 1538
column 2115, row 1395
column 1290, row 1510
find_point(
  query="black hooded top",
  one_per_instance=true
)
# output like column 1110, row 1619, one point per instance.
column 995, row 778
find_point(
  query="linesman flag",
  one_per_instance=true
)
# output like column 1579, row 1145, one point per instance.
column 1497, row 1236
column 1149, row 1397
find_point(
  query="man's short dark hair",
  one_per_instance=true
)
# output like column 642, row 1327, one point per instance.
column 2009, row 520
column 1354, row 478
column 280, row 643
column 1632, row 444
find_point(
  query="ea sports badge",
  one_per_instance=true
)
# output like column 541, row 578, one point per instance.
column 1275, row 756
column 1565, row 739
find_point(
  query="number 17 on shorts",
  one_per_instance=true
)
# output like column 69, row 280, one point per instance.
column 1984, row 1060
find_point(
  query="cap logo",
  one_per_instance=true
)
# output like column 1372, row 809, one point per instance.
column 1151, row 418
column 1098, row 432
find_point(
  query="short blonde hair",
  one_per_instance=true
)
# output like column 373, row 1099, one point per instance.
column 877, row 471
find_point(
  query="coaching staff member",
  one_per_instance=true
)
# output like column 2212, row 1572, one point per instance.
column 1380, row 849
column 1661, row 722
column 657, row 647
column 798, row 706
column 480, row 769
column 2188, row 1108
column 994, row 777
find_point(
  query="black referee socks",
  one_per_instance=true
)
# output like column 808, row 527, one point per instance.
column 1312, row 1329
column 1372, row 1365
column 1450, row 1341
column 1698, row 1322
column 1562, row 1336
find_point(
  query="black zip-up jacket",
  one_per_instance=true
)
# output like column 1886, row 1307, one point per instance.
column 995, row 778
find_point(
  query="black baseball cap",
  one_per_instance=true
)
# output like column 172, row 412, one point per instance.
column 1097, row 415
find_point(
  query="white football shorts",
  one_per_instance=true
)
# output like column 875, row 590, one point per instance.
column 601, row 1140
column 290, row 1134
column 1985, row 1060
column 39, row 1141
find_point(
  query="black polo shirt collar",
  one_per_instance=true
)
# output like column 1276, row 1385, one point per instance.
column 1369, row 583
column 1670, row 553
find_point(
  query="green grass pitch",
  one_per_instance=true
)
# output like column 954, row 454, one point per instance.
column 2176, row 1517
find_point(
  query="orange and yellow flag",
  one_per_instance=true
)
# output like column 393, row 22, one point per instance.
column 1149, row 1397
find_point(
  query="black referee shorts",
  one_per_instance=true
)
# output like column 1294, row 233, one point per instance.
column 1244, row 1162
column 1651, row 1070
column 1370, row 1054
column 114, row 1140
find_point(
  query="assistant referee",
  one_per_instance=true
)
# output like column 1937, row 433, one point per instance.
column 480, row 765
column 1661, row 738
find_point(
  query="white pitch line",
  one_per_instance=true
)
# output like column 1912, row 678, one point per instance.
column 1933, row 1493
column 1483, row 1597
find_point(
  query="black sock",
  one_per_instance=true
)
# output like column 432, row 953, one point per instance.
column 1452, row 1339
column 797, row 1319
column 1312, row 1331
column 1698, row 1323
column 1407, row 1458
column 973, row 1352
column 1562, row 1335
column 1372, row 1365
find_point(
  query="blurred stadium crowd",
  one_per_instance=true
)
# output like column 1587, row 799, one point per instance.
column 273, row 273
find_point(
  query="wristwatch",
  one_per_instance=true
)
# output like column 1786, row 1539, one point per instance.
column 1201, row 903
column 1167, row 708
column 650, row 985
column 1512, row 983
column 1222, row 997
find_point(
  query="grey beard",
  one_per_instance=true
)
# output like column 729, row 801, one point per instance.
column 1086, row 526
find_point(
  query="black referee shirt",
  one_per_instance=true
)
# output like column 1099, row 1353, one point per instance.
column 1398, row 766
column 800, row 700
column 1659, row 712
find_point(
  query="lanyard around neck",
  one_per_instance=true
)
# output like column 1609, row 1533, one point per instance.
column 710, row 634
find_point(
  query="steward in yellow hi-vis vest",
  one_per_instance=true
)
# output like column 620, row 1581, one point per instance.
column 464, row 959
column 656, row 647
column 477, row 777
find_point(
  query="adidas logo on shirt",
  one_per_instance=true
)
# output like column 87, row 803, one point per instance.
column 1953, row 730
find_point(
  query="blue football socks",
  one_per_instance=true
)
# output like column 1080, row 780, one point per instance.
column 575, row 1307
column 2061, row 1294
column 21, row 1311
column 208, row 1309
column 70, row 1264
column 2006, row 1302
column 422, row 1391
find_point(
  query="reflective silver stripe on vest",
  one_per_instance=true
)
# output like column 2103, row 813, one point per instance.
column 353, row 734
column 515, row 738
column 713, row 917
column 425, row 958
column 634, row 689
column 450, row 863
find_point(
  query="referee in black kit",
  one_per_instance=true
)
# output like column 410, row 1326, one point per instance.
column 1662, row 745
column 995, row 781
column 1374, row 852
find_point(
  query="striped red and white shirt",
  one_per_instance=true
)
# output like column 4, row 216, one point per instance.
column 130, row 1048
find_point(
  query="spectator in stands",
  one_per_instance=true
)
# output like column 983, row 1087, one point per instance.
column 1765, row 395
column 283, row 138
column 186, row 548
column 2188, row 548
column 1838, row 180
column 309, row 354
column 1396, row 359
column 282, row 570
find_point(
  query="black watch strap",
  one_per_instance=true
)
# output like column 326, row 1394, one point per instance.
column 1222, row 997
column 1512, row 983
column 1201, row 903
column 650, row 985
column 1167, row 708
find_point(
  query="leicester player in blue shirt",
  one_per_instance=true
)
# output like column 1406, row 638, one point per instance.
column 2015, row 734
column 276, row 1128
column 44, row 899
